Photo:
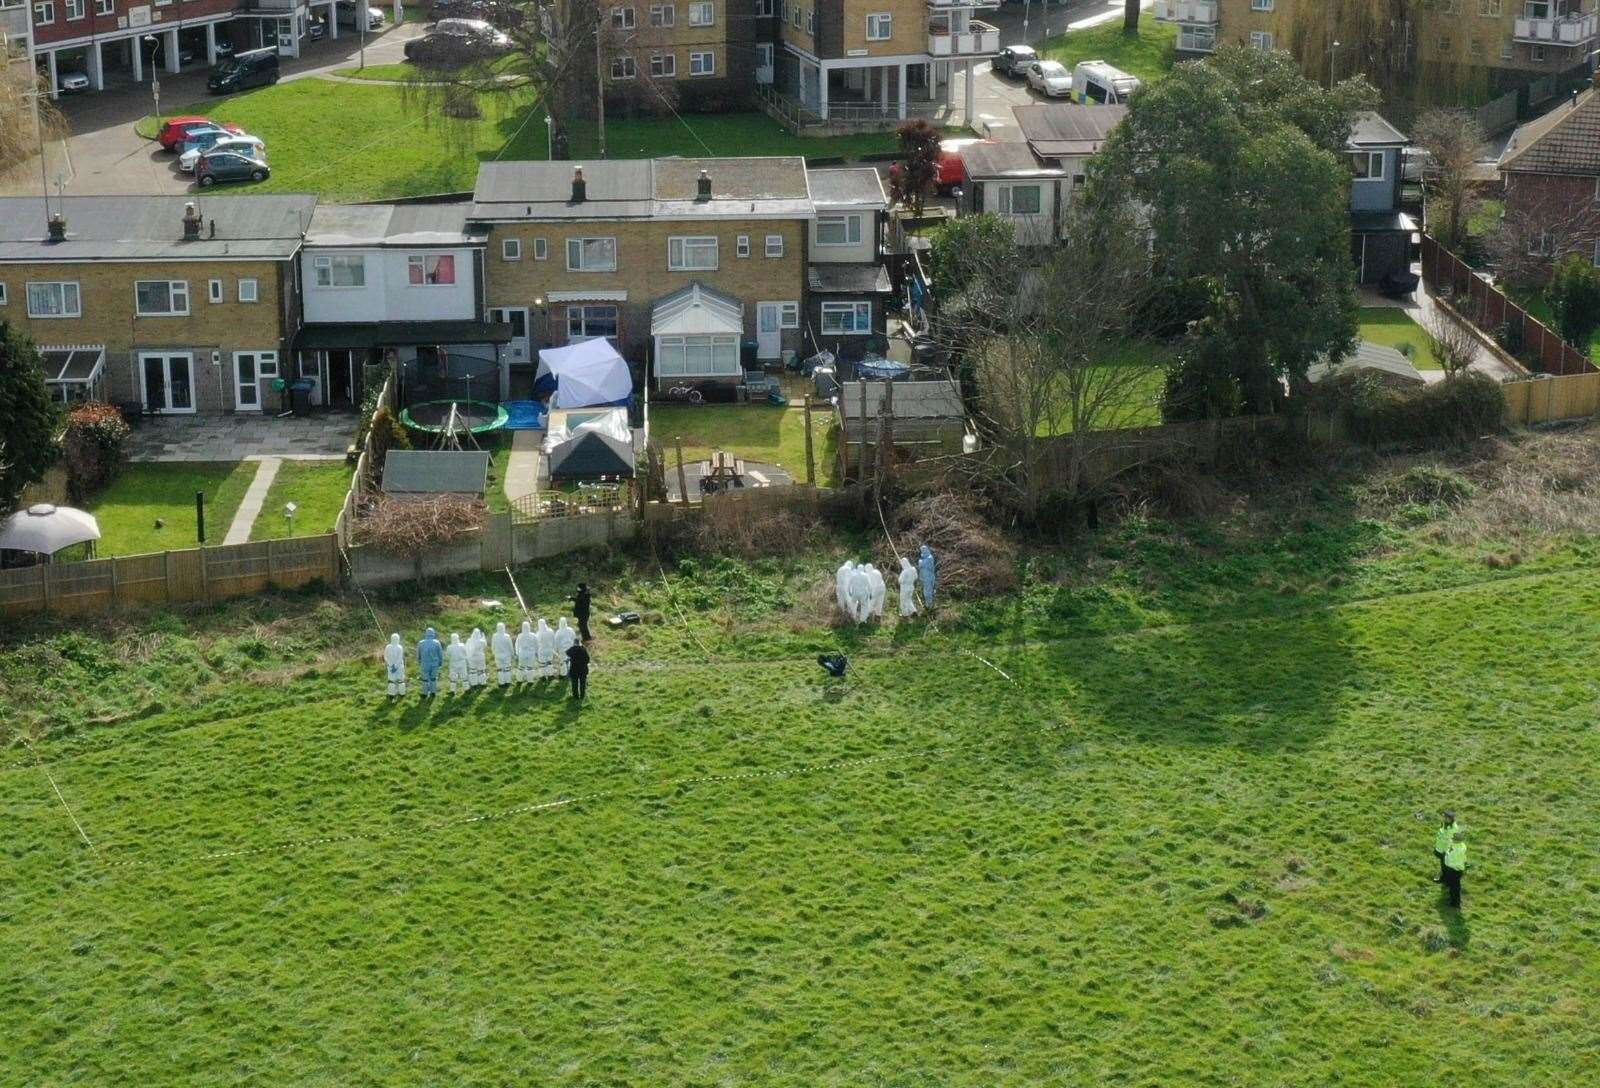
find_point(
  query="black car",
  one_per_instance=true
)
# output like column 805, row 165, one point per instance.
column 256, row 68
column 1014, row 60
column 455, row 42
column 229, row 166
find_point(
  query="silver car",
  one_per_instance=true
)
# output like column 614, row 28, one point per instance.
column 249, row 146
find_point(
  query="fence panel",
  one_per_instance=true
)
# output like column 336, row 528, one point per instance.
column 1545, row 400
column 22, row 590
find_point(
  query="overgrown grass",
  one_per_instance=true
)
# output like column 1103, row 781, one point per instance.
column 1393, row 327
column 1150, row 55
column 317, row 488
column 145, row 494
column 755, row 432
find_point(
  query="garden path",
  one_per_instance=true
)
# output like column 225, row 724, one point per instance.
column 244, row 519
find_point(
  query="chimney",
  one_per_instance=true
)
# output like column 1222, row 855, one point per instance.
column 191, row 223
column 580, row 188
column 702, row 189
column 58, row 228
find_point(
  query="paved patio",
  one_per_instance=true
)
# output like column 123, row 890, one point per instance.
column 242, row 438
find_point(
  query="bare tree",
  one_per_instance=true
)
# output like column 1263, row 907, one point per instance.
column 21, row 89
column 1451, row 139
column 1545, row 220
column 1455, row 346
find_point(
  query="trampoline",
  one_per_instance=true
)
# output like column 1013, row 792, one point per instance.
column 431, row 416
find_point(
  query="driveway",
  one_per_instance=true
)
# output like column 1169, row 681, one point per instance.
column 104, row 155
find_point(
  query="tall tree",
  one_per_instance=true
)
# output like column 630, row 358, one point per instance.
column 1239, row 163
column 1130, row 16
column 27, row 445
column 915, row 175
column 21, row 89
column 1451, row 139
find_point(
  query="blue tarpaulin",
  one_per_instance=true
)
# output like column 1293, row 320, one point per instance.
column 523, row 415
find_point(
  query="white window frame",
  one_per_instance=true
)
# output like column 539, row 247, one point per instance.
column 623, row 18
column 849, row 222
column 702, row 13
column 623, row 68
column 860, row 318
column 1543, row 244
column 1262, row 39
column 422, row 259
column 763, row 9
column 176, row 289
column 253, row 294
column 741, row 246
column 1491, row 9
column 1537, row 54
column 707, row 61
column 773, row 246
column 1508, row 50
column 44, row 13
column 541, row 249
column 213, row 290
column 71, row 6
column 811, row 21
column 680, row 247
column 581, row 252
column 788, row 315
column 663, row 15
column 581, row 312
column 1005, row 202
column 105, row 7
column 511, row 249
column 3, row 298
column 61, row 290
column 715, row 345
column 880, row 26
column 794, row 15
column 1371, row 157
column 324, row 264
column 1262, row 5
column 663, row 65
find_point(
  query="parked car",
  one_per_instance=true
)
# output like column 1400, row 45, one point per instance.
column 316, row 30
column 1050, row 78
column 347, row 16
column 204, row 132
column 250, row 145
column 175, row 130
column 457, row 40
column 1013, row 60
column 230, row 166
column 952, row 171
column 72, row 82
column 253, row 68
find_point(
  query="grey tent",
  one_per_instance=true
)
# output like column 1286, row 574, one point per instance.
column 588, row 455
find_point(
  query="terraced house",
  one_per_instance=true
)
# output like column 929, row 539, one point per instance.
column 161, row 304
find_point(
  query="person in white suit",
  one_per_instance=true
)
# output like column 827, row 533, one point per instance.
column 841, row 585
column 564, row 639
column 505, row 657
column 477, row 658
column 908, row 588
column 455, row 659
column 880, row 591
column 547, row 648
column 527, row 654
column 860, row 595
column 394, row 663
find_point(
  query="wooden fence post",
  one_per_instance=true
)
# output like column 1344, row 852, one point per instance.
column 683, row 480
column 811, row 464
column 113, row 561
column 44, row 582
column 166, row 574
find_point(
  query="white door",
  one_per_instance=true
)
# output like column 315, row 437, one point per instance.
column 519, row 350
column 253, row 374
column 288, row 46
column 769, row 330
column 167, row 382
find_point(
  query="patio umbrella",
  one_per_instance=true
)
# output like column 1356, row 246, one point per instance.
column 47, row 529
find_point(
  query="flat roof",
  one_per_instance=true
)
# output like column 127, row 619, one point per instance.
column 666, row 188
column 855, row 186
column 392, row 225
column 456, row 472
column 151, row 227
column 1003, row 160
column 1057, row 129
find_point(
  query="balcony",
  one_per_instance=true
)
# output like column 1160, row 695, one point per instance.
column 978, row 40
column 1564, row 30
column 1191, row 12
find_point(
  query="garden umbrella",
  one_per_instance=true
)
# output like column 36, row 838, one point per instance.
column 47, row 529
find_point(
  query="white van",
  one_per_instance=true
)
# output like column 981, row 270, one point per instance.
column 1096, row 83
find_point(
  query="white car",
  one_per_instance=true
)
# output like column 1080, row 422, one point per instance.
column 252, row 146
column 1050, row 78
column 74, row 81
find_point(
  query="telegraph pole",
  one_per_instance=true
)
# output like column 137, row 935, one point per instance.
column 600, row 79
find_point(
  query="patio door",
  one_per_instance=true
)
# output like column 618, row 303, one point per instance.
column 253, row 374
column 519, row 350
column 167, row 381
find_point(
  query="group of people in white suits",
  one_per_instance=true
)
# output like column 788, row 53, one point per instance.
column 531, row 655
column 862, row 591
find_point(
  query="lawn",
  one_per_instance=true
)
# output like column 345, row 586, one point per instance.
column 392, row 73
column 1182, row 839
column 1392, row 327
column 755, row 432
column 1150, row 55
column 317, row 488
column 367, row 144
column 146, row 493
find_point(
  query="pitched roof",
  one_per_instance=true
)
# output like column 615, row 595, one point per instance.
column 1564, row 141
column 1057, row 129
column 1371, row 130
column 1002, row 160
column 770, row 187
column 855, row 186
column 391, row 225
column 146, row 227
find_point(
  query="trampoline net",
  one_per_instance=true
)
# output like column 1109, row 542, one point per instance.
column 469, row 373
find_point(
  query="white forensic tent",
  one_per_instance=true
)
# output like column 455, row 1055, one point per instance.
column 585, row 374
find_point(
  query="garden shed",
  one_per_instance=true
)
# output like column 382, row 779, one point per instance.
column 420, row 474
column 928, row 419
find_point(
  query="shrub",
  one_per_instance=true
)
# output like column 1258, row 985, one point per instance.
column 1574, row 297
column 1433, row 484
column 94, row 444
column 414, row 527
column 1455, row 411
column 973, row 557
column 387, row 434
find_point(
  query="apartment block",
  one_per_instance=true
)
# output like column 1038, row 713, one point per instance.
column 694, row 54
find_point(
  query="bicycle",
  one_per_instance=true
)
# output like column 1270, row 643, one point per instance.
column 687, row 393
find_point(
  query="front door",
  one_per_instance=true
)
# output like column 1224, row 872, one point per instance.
column 286, row 37
column 253, row 374
column 769, row 330
column 519, row 350
column 168, row 381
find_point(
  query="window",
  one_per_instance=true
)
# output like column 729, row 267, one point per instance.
column 431, row 270
column 1261, row 39
column 591, row 254
column 161, row 298
column 511, row 249
column 623, row 67
column 692, row 254
column 1490, row 8
column 105, row 7
column 663, row 14
column 339, row 271
column 811, row 22
column 1261, row 5
column 541, row 250
column 1020, row 199
column 2, row 294
column 789, row 315
column 763, row 9
column 589, row 322
column 214, row 291
column 54, row 300
column 1536, row 53
column 794, row 15
column 622, row 18
column 1540, row 245
column 846, row 318
column 249, row 290
column 774, row 246
column 1506, row 51
column 44, row 14
column 663, row 65
column 697, row 356
column 702, row 13
column 838, row 230
column 1367, row 165
column 702, row 64
column 880, row 26
column 741, row 246
column 74, row 9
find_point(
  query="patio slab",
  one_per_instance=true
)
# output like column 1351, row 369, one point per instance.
column 242, row 438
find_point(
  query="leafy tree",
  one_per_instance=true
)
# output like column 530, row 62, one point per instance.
column 1574, row 297
column 1240, row 165
column 27, row 445
column 961, row 249
column 917, row 172
column 1451, row 139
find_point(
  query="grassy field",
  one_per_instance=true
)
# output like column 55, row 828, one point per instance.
column 1149, row 55
column 144, row 493
column 1183, row 840
column 755, row 432
column 1392, row 327
column 317, row 488
column 367, row 144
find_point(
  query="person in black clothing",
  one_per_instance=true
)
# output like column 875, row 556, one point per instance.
column 580, row 609
column 835, row 663
column 578, row 669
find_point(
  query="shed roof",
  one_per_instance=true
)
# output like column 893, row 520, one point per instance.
column 1061, row 129
column 1005, row 160
column 1368, row 356
column 435, row 472
column 392, row 225
column 938, row 399
column 1564, row 141
column 1371, row 130
column 151, row 227
column 848, row 279
column 854, row 187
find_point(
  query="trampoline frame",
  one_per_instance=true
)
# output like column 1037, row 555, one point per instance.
column 500, row 415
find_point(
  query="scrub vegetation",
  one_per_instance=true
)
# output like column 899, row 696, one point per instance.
column 1184, row 838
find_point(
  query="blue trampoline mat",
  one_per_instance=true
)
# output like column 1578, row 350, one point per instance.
column 523, row 415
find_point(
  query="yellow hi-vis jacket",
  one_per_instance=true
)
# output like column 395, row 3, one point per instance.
column 1443, row 837
column 1456, row 857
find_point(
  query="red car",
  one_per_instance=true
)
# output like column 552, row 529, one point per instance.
column 175, row 130
column 952, row 171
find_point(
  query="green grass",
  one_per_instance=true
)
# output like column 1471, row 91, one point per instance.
column 317, row 488
column 393, row 73
column 1187, row 842
column 1150, row 55
column 500, row 459
column 1485, row 217
column 755, row 432
column 145, row 492
column 368, row 144
column 1391, row 327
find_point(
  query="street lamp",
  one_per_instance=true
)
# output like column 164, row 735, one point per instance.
column 1333, row 59
column 289, row 509
column 155, row 71
column 549, row 136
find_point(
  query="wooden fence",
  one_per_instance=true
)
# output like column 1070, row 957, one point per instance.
column 344, row 524
column 1488, row 308
column 1543, row 400
column 175, row 577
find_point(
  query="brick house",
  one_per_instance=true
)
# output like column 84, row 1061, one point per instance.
column 1551, row 173
column 188, row 305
